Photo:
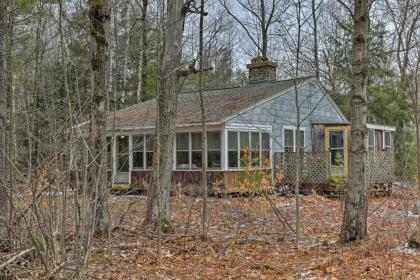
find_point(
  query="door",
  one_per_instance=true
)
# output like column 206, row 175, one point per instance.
column 336, row 144
column 123, row 173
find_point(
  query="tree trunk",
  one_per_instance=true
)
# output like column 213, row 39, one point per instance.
column 99, row 15
column 204, row 217
column 354, row 225
column 167, row 104
column 315, row 30
column 4, row 197
column 142, row 83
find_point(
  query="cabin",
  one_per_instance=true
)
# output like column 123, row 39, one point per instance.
column 259, row 119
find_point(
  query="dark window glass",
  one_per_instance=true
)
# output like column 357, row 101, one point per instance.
column 371, row 139
column 214, row 150
column 122, row 153
column 214, row 159
column 244, row 141
column 255, row 148
column 233, row 149
column 196, row 161
column 182, row 141
column 233, row 140
column 138, row 158
column 122, row 144
column 150, row 144
column 182, row 151
column 213, row 141
column 195, row 142
column 123, row 163
column 289, row 142
column 387, row 140
column 265, row 141
column 182, row 161
column 233, row 158
column 302, row 141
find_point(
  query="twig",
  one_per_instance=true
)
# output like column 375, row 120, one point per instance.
column 24, row 252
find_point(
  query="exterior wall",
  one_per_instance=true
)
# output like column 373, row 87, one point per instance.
column 316, row 107
column 188, row 181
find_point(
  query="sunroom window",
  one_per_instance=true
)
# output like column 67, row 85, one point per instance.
column 265, row 149
column 196, row 161
column 248, row 148
column 138, row 151
column 189, row 152
column 214, row 150
column 233, row 153
column 150, row 145
column 182, row 151
column 244, row 145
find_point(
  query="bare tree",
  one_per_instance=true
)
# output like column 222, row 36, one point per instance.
column 262, row 12
column 204, row 218
column 99, row 18
column 142, row 83
column 4, row 199
column 354, row 225
column 167, row 105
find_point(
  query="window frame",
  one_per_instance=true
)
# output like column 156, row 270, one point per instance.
column 190, row 151
column 146, row 138
column 294, row 129
column 370, row 147
column 387, row 147
column 238, row 148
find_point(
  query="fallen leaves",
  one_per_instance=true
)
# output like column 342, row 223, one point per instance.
column 244, row 245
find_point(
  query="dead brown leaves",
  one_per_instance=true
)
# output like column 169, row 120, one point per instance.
column 246, row 241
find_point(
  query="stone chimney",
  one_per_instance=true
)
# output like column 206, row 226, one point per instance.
column 261, row 71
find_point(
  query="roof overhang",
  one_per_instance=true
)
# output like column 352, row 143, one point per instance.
column 381, row 127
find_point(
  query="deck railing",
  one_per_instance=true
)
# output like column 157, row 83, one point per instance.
column 315, row 167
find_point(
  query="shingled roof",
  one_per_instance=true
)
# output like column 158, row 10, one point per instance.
column 220, row 104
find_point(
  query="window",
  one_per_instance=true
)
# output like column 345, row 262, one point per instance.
column 196, row 154
column 109, row 152
column 150, row 145
column 387, row 140
column 289, row 140
column 122, row 153
column 214, row 150
column 265, row 149
column 244, row 147
column 255, row 149
column 371, row 139
column 182, row 151
column 233, row 154
column 189, row 152
column 289, row 144
column 138, row 151
column 302, row 141
column 248, row 148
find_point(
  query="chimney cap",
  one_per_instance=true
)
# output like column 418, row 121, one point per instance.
column 258, row 61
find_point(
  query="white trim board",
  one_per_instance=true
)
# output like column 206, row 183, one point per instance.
column 381, row 127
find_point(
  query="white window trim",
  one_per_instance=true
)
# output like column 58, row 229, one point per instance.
column 294, row 128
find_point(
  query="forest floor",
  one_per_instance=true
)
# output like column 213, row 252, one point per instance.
column 247, row 241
